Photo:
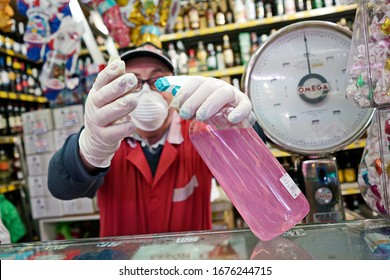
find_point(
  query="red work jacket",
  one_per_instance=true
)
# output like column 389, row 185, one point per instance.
column 177, row 198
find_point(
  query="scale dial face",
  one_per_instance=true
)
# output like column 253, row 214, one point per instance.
column 296, row 83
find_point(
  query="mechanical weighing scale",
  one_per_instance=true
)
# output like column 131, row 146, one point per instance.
column 296, row 83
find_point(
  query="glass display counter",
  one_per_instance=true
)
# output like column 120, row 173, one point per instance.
column 361, row 239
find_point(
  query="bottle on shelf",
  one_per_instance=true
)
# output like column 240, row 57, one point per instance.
column 220, row 58
column 4, row 77
column 201, row 56
column 5, row 168
column 179, row 24
column 250, row 9
column 260, row 10
column 172, row 54
column 17, row 168
column 212, row 63
column 239, row 12
column 202, row 15
column 192, row 62
column 219, row 15
column 182, row 62
column 228, row 53
column 18, row 76
column 254, row 42
column 278, row 9
column 300, row 5
column 316, row 4
column 268, row 9
column 229, row 13
column 11, row 74
column 210, row 15
column 11, row 118
column 3, row 120
column 289, row 7
column 193, row 15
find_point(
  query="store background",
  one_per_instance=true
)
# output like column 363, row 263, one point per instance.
column 33, row 124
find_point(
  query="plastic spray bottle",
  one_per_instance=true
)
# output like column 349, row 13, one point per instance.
column 259, row 187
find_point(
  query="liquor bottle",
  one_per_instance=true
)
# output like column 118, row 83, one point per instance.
column 278, row 9
column 17, row 169
column 219, row 15
column 30, row 81
column 186, row 17
column 220, row 58
column 228, row 53
column 250, row 9
column 3, row 120
column 192, row 62
column 202, row 15
column 24, row 78
column 254, row 42
column 172, row 54
column 299, row 5
column 210, row 15
column 289, row 7
column 18, row 76
column 11, row 74
column 236, row 54
column 268, row 9
column 37, row 89
column 23, row 46
column 201, row 55
column 182, row 62
column 11, row 119
column 18, row 128
column 179, row 24
column 316, row 4
column 211, row 57
column 193, row 15
column 260, row 13
column 229, row 14
column 4, row 78
column 239, row 12
column 5, row 168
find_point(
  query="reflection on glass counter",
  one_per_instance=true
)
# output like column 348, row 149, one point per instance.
column 361, row 239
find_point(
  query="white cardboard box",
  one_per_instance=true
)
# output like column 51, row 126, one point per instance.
column 38, row 164
column 68, row 116
column 46, row 206
column 37, row 144
column 37, row 122
column 60, row 135
column 78, row 206
column 37, row 186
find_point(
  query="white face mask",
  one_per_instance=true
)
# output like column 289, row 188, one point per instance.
column 151, row 111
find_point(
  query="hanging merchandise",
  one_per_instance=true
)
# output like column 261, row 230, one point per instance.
column 147, row 19
column 6, row 13
column 109, row 10
column 368, row 75
column 369, row 63
column 55, row 38
column 61, row 59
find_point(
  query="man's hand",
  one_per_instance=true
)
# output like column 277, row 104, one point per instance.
column 203, row 97
column 106, row 117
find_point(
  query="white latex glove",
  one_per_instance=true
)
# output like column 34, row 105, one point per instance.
column 107, row 110
column 203, row 97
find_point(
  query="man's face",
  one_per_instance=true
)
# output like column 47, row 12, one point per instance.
column 145, row 68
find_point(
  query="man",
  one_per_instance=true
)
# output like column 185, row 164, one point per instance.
column 134, row 150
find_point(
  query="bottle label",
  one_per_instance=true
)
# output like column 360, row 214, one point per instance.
column 290, row 185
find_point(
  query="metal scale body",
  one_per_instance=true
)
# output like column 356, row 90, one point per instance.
column 296, row 83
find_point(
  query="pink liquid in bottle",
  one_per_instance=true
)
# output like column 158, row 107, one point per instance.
column 259, row 187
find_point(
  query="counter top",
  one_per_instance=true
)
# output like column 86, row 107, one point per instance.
column 360, row 239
